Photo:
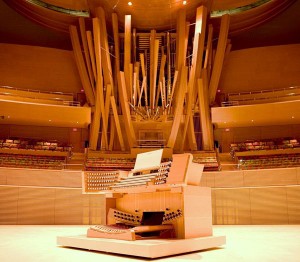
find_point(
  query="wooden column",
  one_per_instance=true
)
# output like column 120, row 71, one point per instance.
column 198, row 48
column 92, row 52
column 117, row 50
column 99, row 88
column 88, row 89
column 218, row 62
column 127, row 53
column 180, row 46
column 204, row 116
column 152, row 67
column 107, row 69
column 117, row 123
column 178, row 109
column 126, row 111
column 86, row 50
column 180, row 39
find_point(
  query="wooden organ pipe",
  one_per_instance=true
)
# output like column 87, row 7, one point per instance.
column 152, row 66
column 91, row 52
column 179, row 108
column 208, row 45
column 117, row 50
column 161, row 75
column 198, row 47
column 127, row 53
column 106, row 114
column 107, row 69
column 117, row 123
column 112, row 134
column 86, row 50
column 218, row 61
column 169, row 68
column 170, row 97
column 126, row 111
column 99, row 81
column 81, row 66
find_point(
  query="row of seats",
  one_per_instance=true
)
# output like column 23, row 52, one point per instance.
column 32, row 161
column 32, row 144
column 100, row 163
column 265, row 144
column 267, row 153
column 270, row 161
column 210, row 163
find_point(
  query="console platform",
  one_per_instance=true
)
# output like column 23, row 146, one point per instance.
column 150, row 248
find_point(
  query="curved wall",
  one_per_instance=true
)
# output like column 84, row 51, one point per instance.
column 255, row 197
column 38, row 68
column 263, row 68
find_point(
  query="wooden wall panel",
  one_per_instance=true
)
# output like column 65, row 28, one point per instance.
column 213, row 206
column 229, row 179
column 8, row 205
column 35, row 211
column 298, row 175
column 261, row 68
column 268, row 205
column 35, row 68
column 2, row 178
column 69, row 205
column 249, row 178
column 38, row 132
column 232, row 206
column 40, row 177
column 36, row 206
column 208, row 179
column 49, row 206
column 97, row 211
column 293, row 204
column 270, row 177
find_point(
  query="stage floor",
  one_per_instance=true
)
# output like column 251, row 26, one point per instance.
column 243, row 243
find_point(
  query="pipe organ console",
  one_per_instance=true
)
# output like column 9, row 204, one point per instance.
column 169, row 189
column 156, row 209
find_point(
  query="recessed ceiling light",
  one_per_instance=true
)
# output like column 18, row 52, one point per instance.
column 130, row 3
column 184, row 2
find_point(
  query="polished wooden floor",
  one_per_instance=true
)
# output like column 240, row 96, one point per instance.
column 244, row 243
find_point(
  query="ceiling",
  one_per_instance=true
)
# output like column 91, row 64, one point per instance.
column 284, row 28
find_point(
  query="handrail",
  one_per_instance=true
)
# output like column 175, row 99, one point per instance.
column 35, row 90
column 263, row 91
column 64, row 102
column 230, row 103
column 235, row 99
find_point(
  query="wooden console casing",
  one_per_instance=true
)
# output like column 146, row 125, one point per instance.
column 180, row 194
column 194, row 203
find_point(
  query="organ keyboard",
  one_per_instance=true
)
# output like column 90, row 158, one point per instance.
column 129, row 226
column 179, row 171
